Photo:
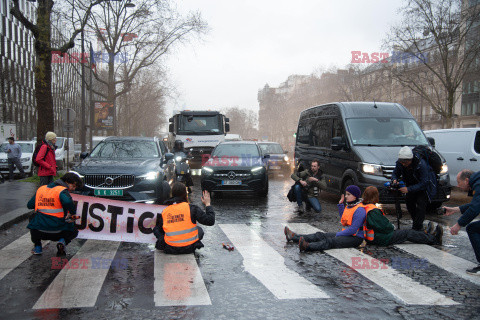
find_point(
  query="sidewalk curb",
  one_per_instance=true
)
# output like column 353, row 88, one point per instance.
column 15, row 216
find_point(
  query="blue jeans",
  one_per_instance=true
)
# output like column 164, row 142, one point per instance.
column 473, row 231
column 313, row 201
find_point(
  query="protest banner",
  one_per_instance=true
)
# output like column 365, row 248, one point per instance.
column 106, row 219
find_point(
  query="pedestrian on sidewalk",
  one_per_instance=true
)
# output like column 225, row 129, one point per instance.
column 469, row 181
column 352, row 218
column 14, row 154
column 380, row 231
column 177, row 231
column 47, row 165
column 53, row 208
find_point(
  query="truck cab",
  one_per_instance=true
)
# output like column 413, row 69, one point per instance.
column 200, row 132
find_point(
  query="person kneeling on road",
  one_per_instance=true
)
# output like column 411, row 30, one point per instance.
column 312, row 182
column 53, row 208
column 176, row 230
column 469, row 181
column 379, row 230
column 352, row 218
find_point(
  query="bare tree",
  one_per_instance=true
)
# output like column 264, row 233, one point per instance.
column 141, row 35
column 76, row 13
column 442, row 40
column 243, row 122
column 142, row 107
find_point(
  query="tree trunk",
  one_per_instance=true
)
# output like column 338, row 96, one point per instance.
column 43, row 72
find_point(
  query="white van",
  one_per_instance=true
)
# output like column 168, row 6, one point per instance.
column 61, row 152
column 460, row 147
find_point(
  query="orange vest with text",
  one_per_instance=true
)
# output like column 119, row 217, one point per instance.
column 347, row 216
column 179, row 229
column 369, row 233
column 47, row 201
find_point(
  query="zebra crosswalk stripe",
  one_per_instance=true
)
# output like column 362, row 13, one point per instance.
column 178, row 281
column 442, row 259
column 400, row 286
column 15, row 253
column 268, row 266
column 77, row 288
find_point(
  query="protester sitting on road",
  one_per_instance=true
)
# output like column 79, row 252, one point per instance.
column 310, row 181
column 176, row 230
column 379, row 230
column 352, row 218
column 54, row 208
column 46, row 159
column 469, row 181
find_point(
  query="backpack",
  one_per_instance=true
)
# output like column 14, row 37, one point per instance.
column 35, row 153
column 432, row 158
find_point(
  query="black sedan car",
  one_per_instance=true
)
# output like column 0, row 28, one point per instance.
column 278, row 161
column 236, row 166
column 127, row 168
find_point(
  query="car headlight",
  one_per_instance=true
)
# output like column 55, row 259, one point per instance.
column 444, row 169
column 257, row 170
column 206, row 171
column 78, row 174
column 178, row 158
column 373, row 169
column 25, row 159
column 152, row 175
column 285, row 158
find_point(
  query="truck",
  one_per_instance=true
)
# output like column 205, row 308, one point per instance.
column 200, row 132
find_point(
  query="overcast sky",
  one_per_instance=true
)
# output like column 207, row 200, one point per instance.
column 254, row 42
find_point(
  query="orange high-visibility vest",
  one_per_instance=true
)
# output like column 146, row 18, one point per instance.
column 369, row 233
column 347, row 216
column 47, row 201
column 178, row 226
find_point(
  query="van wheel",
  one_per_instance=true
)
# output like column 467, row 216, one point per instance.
column 347, row 183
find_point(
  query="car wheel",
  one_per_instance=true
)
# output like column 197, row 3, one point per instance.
column 163, row 192
column 264, row 191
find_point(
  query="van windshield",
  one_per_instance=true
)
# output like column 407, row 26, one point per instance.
column 385, row 132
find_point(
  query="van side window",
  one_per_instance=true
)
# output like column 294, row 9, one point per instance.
column 322, row 133
column 476, row 144
column 337, row 128
column 305, row 134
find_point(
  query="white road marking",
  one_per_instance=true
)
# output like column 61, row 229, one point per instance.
column 15, row 253
column 178, row 281
column 268, row 266
column 77, row 288
column 442, row 259
column 400, row 286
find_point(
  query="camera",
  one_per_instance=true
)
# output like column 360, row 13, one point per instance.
column 390, row 186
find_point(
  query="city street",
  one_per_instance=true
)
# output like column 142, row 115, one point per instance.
column 264, row 277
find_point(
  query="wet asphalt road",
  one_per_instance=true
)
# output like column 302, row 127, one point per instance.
column 128, row 293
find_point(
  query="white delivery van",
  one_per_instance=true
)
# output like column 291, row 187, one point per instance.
column 64, row 147
column 460, row 147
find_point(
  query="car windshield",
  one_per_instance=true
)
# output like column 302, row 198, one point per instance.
column 25, row 146
column 126, row 149
column 385, row 132
column 236, row 150
column 192, row 125
column 270, row 148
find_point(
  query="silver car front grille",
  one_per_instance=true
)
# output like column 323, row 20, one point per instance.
column 387, row 171
column 109, row 181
